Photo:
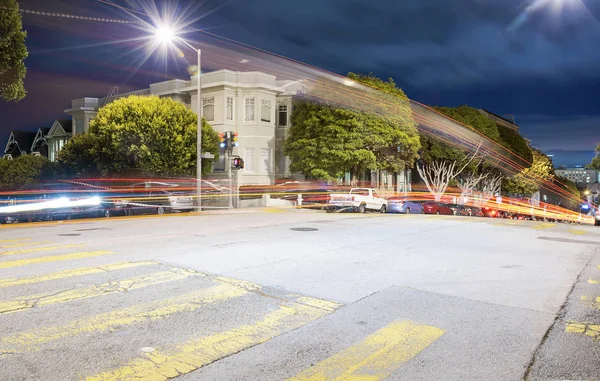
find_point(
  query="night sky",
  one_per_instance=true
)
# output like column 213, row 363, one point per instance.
column 536, row 60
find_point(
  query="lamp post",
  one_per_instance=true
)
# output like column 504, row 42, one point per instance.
column 166, row 35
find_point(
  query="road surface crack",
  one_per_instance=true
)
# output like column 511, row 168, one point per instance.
column 558, row 318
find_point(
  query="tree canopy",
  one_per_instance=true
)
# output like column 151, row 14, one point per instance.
column 595, row 163
column 23, row 171
column 512, row 140
column 529, row 180
column 12, row 52
column 326, row 139
column 473, row 118
column 144, row 133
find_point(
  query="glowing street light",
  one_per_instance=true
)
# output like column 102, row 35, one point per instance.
column 166, row 35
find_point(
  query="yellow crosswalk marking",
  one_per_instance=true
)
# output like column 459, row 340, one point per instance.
column 54, row 258
column 593, row 281
column 14, row 240
column 591, row 330
column 74, row 272
column 591, row 302
column 377, row 356
column 31, row 340
column 200, row 352
column 37, row 249
column 326, row 305
column 319, row 303
column 577, row 231
column 39, row 300
column 25, row 244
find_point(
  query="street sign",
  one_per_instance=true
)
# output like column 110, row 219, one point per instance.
column 207, row 155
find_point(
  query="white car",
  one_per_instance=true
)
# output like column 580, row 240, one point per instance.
column 359, row 200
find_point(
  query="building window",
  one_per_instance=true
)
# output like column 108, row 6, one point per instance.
column 250, row 110
column 265, row 111
column 283, row 115
column 249, row 160
column 229, row 108
column 208, row 109
column 265, row 160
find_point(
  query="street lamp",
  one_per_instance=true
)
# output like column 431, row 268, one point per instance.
column 165, row 35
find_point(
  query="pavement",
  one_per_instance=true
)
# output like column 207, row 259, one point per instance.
column 276, row 294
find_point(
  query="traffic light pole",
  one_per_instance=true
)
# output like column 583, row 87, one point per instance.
column 229, row 176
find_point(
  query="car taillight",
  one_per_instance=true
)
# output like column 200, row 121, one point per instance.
column 352, row 198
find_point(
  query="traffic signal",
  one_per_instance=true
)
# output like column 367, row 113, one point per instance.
column 234, row 139
column 238, row 163
column 222, row 140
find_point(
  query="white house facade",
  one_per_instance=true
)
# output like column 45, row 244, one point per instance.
column 255, row 105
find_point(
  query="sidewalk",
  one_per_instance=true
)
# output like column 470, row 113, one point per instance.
column 571, row 348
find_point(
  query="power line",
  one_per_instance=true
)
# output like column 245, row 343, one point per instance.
column 69, row 16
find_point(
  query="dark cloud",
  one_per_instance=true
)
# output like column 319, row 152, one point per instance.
column 509, row 56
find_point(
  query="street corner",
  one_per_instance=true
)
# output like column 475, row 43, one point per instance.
column 397, row 333
column 571, row 348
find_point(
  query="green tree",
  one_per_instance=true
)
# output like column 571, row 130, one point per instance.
column 76, row 158
column 512, row 140
column 529, row 180
column 12, row 52
column 324, row 142
column 148, row 134
column 332, row 134
column 595, row 163
column 392, row 137
column 473, row 118
column 23, row 171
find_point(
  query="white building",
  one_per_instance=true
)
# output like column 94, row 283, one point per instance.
column 579, row 175
column 255, row 105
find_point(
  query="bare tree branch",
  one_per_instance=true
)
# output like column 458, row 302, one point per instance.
column 438, row 174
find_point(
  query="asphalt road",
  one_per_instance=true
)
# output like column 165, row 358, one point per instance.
column 249, row 296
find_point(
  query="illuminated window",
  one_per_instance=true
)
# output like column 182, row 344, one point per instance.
column 265, row 160
column 265, row 111
column 249, row 109
column 208, row 109
column 229, row 108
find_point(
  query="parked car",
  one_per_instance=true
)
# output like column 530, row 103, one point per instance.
column 437, row 208
column 399, row 204
column 51, row 201
column 154, row 197
column 359, row 200
column 312, row 193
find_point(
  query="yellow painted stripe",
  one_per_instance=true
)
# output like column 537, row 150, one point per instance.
column 295, row 298
column 24, row 244
column 593, row 281
column 73, row 273
column 591, row 330
column 31, row 340
column 25, row 302
column 544, row 225
column 577, row 231
column 37, row 249
column 377, row 356
column 54, row 258
column 14, row 240
column 319, row 303
column 197, row 353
